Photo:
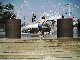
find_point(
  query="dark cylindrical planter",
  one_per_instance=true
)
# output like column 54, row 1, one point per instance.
column 13, row 28
column 64, row 28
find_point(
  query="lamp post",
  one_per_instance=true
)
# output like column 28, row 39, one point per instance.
column 69, row 9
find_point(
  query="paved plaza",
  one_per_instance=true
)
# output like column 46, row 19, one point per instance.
column 35, row 49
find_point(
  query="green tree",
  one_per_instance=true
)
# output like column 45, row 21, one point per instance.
column 9, row 6
column 7, row 11
column 1, row 10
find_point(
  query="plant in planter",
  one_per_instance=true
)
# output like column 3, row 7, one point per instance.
column 8, row 21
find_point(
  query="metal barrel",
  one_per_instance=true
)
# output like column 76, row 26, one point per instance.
column 13, row 28
column 65, row 28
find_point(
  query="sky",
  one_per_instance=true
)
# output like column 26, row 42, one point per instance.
column 51, row 8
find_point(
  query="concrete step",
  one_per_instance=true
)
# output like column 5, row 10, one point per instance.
column 17, row 49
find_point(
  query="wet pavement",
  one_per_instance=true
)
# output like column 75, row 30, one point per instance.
column 48, row 36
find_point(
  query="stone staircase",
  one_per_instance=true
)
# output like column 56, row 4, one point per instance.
column 18, row 49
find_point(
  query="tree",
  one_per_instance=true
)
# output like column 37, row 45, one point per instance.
column 7, row 11
column 1, row 10
column 9, row 6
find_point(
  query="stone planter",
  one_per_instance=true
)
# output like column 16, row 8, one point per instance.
column 13, row 28
column 78, row 29
column 65, row 28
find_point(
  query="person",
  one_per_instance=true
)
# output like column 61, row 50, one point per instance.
column 33, row 18
column 40, row 24
column 62, row 16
